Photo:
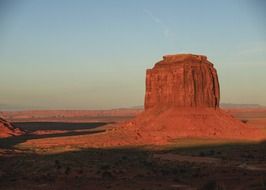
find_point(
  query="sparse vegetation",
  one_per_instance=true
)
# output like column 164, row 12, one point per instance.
column 213, row 185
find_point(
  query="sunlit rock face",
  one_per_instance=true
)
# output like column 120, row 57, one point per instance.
column 182, row 80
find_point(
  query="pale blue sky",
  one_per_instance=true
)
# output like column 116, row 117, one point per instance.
column 93, row 54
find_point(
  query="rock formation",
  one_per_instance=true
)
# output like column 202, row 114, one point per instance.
column 6, row 129
column 181, row 101
column 182, row 80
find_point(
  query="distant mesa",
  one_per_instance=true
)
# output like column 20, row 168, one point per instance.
column 231, row 105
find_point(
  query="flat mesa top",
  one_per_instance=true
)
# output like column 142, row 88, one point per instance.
column 180, row 59
column 184, row 57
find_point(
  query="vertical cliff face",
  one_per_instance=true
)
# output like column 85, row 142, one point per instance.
column 182, row 80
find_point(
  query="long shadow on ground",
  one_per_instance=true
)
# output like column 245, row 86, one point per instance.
column 34, row 126
column 29, row 127
column 136, row 168
column 130, row 168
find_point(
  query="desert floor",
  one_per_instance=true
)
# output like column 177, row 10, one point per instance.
column 30, row 162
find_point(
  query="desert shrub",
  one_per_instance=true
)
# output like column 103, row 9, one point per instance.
column 202, row 153
column 211, row 152
column 213, row 185
column 263, row 182
column 80, row 171
column 105, row 167
column 67, row 170
column 107, row 175
column 124, row 158
column 57, row 164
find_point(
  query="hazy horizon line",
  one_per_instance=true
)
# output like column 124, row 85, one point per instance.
column 4, row 107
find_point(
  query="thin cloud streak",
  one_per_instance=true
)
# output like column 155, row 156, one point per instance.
column 158, row 21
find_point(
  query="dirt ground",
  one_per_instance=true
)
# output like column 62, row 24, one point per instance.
column 29, row 162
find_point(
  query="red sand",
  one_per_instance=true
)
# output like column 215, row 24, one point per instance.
column 165, row 125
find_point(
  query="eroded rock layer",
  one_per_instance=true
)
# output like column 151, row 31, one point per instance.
column 7, row 130
column 183, row 80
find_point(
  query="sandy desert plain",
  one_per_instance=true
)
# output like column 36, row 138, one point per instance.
column 129, row 149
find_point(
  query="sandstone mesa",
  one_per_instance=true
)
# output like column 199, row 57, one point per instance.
column 183, row 80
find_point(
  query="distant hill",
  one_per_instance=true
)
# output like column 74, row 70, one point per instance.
column 110, row 115
column 17, row 108
column 231, row 105
column 222, row 105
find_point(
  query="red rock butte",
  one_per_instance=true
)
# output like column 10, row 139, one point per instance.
column 181, row 101
column 183, row 80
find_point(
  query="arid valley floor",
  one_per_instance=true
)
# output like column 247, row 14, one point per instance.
column 31, row 161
